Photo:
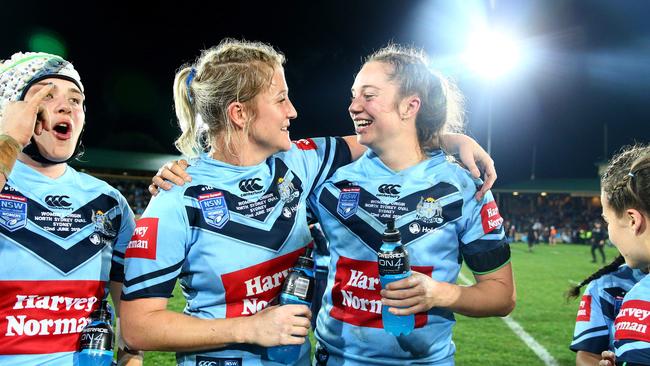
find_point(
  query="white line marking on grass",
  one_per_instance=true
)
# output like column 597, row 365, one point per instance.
column 537, row 348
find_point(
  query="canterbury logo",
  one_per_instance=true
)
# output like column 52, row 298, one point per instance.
column 250, row 185
column 389, row 188
column 57, row 201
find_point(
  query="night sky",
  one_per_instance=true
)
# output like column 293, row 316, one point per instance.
column 586, row 66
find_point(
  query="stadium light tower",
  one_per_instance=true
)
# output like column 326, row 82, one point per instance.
column 491, row 54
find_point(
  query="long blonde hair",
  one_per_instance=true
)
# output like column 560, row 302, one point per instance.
column 233, row 71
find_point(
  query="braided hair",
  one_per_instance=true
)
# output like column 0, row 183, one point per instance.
column 626, row 181
column 574, row 291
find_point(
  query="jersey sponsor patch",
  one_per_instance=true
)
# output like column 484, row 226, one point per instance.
column 306, row 144
column 214, row 209
column 429, row 211
column 144, row 240
column 355, row 294
column 490, row 217
column 632, row 321
column 584, row 311
column 45, row 316
column 251, row 289
column 348, row 202
column 218, row 361
column 13, row 211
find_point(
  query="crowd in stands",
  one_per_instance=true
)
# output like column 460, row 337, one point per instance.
column 550, row 219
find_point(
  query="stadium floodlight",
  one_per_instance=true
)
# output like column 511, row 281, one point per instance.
column 491, row 54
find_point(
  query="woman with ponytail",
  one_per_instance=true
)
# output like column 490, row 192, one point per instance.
column 400, row 108
column 600, row 303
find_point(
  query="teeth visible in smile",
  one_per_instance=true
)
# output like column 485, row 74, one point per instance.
column 285, row 129
column 362, row 123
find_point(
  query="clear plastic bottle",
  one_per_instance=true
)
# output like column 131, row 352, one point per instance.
column 298, row 288
column 393, row 261
column 96, row 342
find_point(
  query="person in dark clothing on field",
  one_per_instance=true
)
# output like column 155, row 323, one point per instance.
column 598, row 237
column 532, row 236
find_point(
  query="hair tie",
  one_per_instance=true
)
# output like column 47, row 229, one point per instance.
column 188, row 82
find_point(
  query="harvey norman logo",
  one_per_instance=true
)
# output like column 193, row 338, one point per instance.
column 251, row 289
column 45, row 316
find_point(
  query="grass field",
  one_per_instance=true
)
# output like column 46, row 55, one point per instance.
column 541, row 278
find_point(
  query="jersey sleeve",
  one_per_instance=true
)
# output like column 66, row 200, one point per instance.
column 483, row 244
column 318, row 158
column 591, row 332
column 156, row 252
column 632, row 333
column 127, row 224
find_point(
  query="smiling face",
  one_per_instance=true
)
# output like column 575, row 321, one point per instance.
column 374, row 108
column 269, row 132
column 64, row 105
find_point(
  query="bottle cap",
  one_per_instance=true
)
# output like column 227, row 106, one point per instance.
column 103, row 312
column 306, row 260
column 391, row 234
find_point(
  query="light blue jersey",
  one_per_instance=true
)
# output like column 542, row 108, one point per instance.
column 632, row 336
column 61, row 240
column 441, row 224
column 230, row 237
column 601, row 302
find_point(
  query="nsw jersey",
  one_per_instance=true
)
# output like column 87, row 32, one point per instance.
column 632, row 333
column 230, row 237
column 601, row 302
column 61, row 240
column 440, row 222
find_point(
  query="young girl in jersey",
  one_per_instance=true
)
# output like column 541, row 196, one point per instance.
column 600, row 303
column 399, row 109
column 62, row 233
column 626, row 209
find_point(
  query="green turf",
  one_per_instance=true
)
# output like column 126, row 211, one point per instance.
column 541, row 278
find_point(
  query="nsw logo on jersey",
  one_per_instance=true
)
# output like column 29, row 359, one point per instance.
column 348, row 202
column 632, row 321
column 214, row 209
column 13, row 211
column 490, row 217
column 355, row 295
column 144, row 240
column 584, row 311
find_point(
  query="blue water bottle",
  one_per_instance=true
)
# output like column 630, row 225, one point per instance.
column 393, row 261
column 96, row 342
column 298, row 288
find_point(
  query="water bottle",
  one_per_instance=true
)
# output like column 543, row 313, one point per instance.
column 393, row 261
column 298, row 288
column 96, row 342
